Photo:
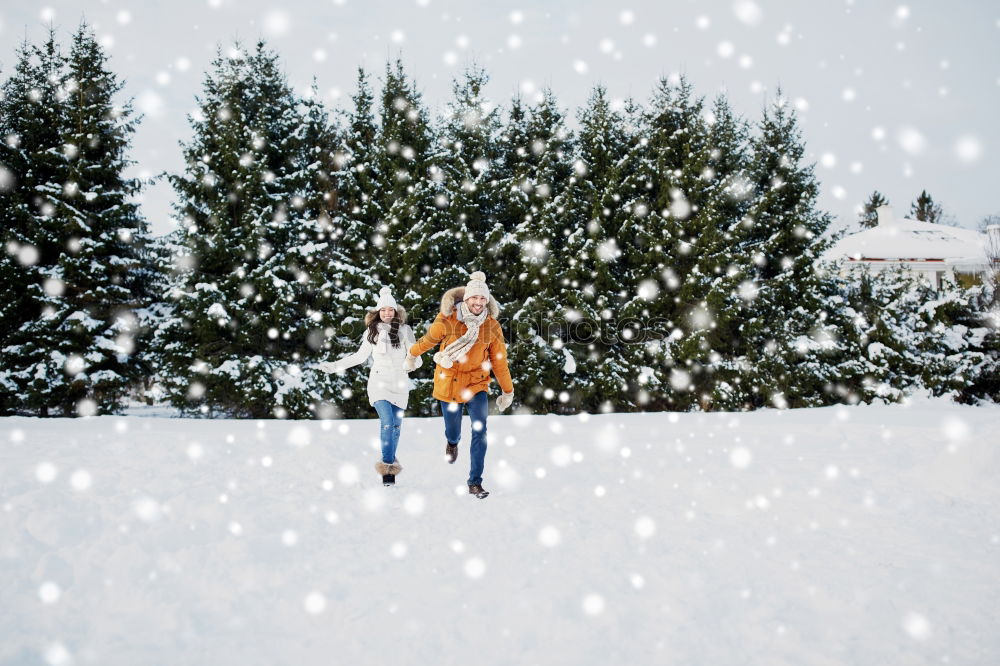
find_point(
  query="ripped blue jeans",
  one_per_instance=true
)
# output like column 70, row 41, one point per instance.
column 391, row 417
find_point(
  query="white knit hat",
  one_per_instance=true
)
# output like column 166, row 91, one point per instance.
column 477, row 286
column 385, row 299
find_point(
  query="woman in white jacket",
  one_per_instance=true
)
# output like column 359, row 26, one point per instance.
column 387, row 340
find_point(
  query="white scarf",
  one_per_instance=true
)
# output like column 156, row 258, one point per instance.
column 461, row 346
column 382, row 342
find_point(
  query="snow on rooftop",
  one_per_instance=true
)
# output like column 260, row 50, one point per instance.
column 905, row 239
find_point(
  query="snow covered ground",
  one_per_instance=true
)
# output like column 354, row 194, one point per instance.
column 847, row 535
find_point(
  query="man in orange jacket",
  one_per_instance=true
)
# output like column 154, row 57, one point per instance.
column 471, row 345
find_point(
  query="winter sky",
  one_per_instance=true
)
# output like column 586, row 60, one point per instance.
column 892, row 96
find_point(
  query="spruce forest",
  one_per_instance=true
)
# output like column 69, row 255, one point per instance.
column 664, row 254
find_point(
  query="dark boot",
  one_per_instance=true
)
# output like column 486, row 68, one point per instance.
column 478, row 491
column 388, row 471
column 451, row 452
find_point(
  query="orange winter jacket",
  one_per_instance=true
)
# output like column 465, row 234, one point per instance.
column 466, row 378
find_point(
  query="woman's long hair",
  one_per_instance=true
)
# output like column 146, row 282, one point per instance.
column 372, row 320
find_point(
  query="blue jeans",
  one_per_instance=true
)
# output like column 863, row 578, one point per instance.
column 391, row 417
column 477, row 407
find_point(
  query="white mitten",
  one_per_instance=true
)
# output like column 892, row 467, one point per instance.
column 411, row 363
column 442, row 360
column 503, row 402
column 330, row 367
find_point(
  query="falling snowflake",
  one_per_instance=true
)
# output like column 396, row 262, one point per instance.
column 474, row 567
column 314, row 603
column 593, row 604
column 549, row 536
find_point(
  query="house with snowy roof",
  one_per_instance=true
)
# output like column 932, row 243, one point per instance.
column 934, row 252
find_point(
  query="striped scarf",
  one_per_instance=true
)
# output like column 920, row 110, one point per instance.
column 461, row 345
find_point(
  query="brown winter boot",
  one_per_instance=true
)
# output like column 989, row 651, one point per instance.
column 478, row 491
column 450, row 452
column 388, row 471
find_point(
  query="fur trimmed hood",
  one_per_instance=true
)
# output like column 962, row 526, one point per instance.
column 372, row 314
column 457, row 294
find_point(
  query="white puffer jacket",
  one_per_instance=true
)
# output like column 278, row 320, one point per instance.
column 387, row 380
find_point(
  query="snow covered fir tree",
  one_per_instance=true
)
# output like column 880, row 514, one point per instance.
column 659, row 255
column 78, row 261
column 263, row 283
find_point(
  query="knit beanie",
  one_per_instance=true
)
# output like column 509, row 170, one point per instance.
column 477, row 286
column 385, row 299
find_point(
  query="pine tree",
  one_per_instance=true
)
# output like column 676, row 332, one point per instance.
column 472, row 137
column 356, row 211
column 511, row 182
column 30, row 118
column 513, row 164
column 667, row 208
column 716, row 289
column 979, row 367
column 869, row 212
column 73, row 348
column 926, row 209
column 256, row 300
column 539, row 330
column 592, row 369
column 405, row 145
column 470, row 145
column 451, row 210
column 356, row 206
column 791, row 340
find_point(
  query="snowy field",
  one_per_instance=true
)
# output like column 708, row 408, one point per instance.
column 848, row 535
